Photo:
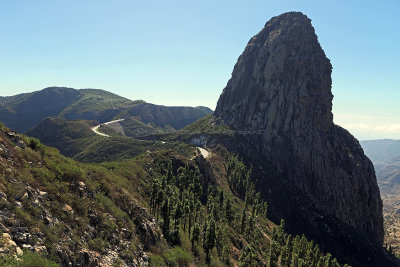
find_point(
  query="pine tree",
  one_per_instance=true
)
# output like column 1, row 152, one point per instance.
column 210, row 238
column 165, row 216
column 295, row 260
column 205, row 226
column 243, row 220
column 221, row 199
column 327, row 260
column 220, row 240
column 273, row 254
column 170, row 176
column 280, row 233
column 228, row 211
column 177, row 215
column 335, row 263
column 186, row 212
column 321, row 262
column 191, row 209
column 285, row 254
column 195, row 235
column 248, row 258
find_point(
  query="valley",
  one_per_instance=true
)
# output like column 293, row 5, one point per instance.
column 385, row 155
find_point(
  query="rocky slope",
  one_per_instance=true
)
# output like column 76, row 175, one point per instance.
column 51, row 206
column 24, row 111
column 279, row 102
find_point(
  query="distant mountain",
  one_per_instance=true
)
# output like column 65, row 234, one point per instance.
column 24, row 111
column 176, row 117
column 382, row 150
column 385, row 155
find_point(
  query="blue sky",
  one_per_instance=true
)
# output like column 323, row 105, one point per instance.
column 183, row 52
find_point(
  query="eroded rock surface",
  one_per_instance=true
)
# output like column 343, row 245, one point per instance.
column 279, row 100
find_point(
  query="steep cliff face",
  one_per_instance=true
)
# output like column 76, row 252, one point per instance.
column 279, row 100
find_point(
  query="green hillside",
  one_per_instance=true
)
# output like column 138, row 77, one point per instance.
column 75, row 139
column 160, row 208
column 23, row 112
column 133, row 127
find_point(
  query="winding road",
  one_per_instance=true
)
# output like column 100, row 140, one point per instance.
column 204, row 152
column 95, row 129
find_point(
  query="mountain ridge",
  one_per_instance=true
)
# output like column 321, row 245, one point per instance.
column 24, row 111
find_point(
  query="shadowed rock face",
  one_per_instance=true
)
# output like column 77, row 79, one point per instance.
column 281, row 90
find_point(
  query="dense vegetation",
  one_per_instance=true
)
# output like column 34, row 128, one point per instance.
column 28, row 259
column 190, row 208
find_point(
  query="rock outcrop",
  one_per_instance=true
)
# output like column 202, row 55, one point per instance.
column 313, row 172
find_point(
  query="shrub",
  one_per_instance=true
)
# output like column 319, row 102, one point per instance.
column 23, row 216
column 34, row 143
column 51, row 237
column 177, row 256
column 109, row 205
column 98, row 244
column 67, row 171
column 156, row 260
column 43, row 174
column 28, row 259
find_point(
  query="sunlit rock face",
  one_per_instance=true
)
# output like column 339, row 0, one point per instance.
column 280, row 90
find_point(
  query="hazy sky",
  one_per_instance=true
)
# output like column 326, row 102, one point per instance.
column 183, row 52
